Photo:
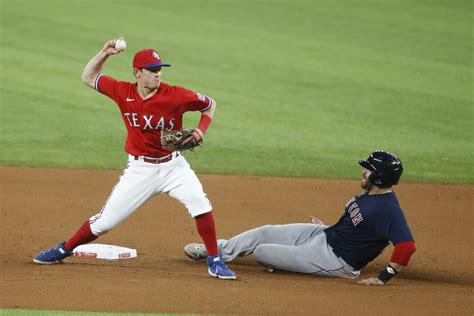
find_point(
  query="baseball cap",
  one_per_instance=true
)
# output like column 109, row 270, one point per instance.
column 148, row 58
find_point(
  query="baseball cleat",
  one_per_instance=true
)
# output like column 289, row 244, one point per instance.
column 196, row 251
column 54, row 255
column 217, row 268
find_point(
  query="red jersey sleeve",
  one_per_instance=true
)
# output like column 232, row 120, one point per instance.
column 402, row 252
column 106, row 85
column 193, row 101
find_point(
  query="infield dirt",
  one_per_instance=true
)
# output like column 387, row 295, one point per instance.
column 40, row 207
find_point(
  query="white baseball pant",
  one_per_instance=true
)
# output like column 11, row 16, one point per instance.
column 141, row 181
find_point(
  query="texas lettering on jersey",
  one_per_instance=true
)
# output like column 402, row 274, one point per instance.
column 149, row 121
column 146, row 118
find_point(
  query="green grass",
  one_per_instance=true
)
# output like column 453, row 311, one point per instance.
column 304, row 88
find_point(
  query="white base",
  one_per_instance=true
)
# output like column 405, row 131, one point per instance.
column 102, row 251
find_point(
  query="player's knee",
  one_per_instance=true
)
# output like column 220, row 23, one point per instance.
column 198, row 206
column 100, row 229
column 260, row 254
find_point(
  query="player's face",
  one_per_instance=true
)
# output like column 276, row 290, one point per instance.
column 365, row 183
column 149, row 78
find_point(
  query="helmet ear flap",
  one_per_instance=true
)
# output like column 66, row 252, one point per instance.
column 376, row 177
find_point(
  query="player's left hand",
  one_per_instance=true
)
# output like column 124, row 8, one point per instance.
column 196, row 137
column 315, row 220
column 184, row 139
column 370, row 281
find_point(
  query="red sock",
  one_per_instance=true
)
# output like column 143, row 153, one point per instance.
column 207, row 231
column 82, row 236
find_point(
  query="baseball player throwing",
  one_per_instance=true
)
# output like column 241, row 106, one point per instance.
column 149, row 108
column 370, row 222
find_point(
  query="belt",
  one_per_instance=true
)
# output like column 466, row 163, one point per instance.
column 157, row 160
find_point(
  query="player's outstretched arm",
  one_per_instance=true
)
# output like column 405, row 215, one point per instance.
column 390, row 270
column 400, row 257
column 94, row 66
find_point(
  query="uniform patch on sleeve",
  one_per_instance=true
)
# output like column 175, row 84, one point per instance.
column 201, row 97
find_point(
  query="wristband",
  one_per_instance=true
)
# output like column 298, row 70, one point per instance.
column 204, row 123
column 387, row 273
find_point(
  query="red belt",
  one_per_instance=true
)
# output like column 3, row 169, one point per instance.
column 157, row 160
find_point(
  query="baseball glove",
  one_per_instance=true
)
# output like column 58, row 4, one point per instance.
column 184, row 139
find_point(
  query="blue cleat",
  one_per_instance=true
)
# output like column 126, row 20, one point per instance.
column 217, row 268
column 54, row 255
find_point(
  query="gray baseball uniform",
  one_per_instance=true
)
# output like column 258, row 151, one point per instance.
column 293, row 247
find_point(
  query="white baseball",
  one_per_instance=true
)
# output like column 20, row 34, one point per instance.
column 120, row 44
